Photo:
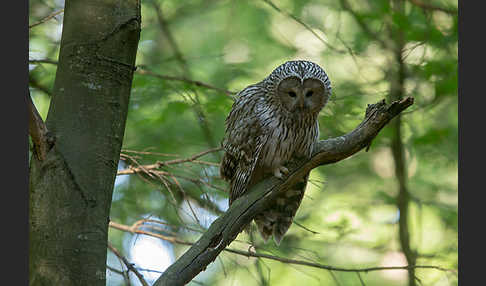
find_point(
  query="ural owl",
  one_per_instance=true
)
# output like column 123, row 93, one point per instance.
column 270, row 123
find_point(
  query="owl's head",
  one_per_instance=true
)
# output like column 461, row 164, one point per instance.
column 301, row 87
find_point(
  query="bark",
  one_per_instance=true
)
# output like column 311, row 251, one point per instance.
column 70, row 189
column 225, row 229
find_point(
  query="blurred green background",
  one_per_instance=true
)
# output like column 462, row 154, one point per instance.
column 193, row 55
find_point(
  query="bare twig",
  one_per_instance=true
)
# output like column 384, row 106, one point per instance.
column 305, row 228
column 307, row 27
column 165, row 29
column 364, row 26
column 157, row 165
column 35, row 84
column 144, row 71
column 43, row 61
column 115, row 270
column 360, row 279
column 150, row 153
column 135, row 226
column 334, row 268
column 135, row 229
column 128, row 264
column 46, row 18
column 193, row 157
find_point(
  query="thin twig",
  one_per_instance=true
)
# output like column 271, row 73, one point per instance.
column 144, row 71
column 360, row 279
column 135, row 229
column 333, row 268
column 364, row 26
column 193, row 157
column 115, row 270
column 304, row 25
column 35, row 84
column 276, row 258
column 165, row 29
column 149, row 153
column 159, row 164
column 128, row 264
column 305, row 228
column 43, row 61
column 45, row 19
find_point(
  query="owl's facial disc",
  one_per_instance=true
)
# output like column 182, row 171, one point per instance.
column 308, row 96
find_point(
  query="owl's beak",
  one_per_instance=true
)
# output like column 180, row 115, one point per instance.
column 301, row 103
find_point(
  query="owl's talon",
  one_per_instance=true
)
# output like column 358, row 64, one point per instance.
column 284, row 170
column 277, row 172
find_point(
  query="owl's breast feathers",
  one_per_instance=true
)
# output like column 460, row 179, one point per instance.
column 259, row 137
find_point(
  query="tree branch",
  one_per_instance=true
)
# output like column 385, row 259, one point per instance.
column 225, row 229
column 364, row 26
column 144, row 71
column 307, row 27
column 46, row 18
column 128, row 264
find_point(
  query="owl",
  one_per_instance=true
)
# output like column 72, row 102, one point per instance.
column 271, row 123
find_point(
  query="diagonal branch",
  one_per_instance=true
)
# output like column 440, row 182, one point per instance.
column 307, row 27
column 363, row 25
column 225, row 229
column 128, row 264
column 144, row 71
column 173, row 44
column 46, row 18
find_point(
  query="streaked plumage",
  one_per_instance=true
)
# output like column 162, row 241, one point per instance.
column 270, row 123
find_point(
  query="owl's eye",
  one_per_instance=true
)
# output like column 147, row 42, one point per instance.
column 309, row 93
column 292, row 94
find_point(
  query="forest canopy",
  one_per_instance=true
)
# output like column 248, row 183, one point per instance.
column 192, row 59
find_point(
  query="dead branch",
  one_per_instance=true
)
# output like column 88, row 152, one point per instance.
column 225, row 229
column 159, row 164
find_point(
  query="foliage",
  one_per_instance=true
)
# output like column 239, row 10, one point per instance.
column 350, row 207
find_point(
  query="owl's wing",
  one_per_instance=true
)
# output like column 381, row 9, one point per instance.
column 243, row 140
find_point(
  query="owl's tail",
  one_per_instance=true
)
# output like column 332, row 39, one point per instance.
column 277, row 219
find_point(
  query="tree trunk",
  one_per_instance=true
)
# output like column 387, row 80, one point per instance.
column 70, row 190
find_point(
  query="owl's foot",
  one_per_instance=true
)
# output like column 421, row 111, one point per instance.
column 277, row 172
